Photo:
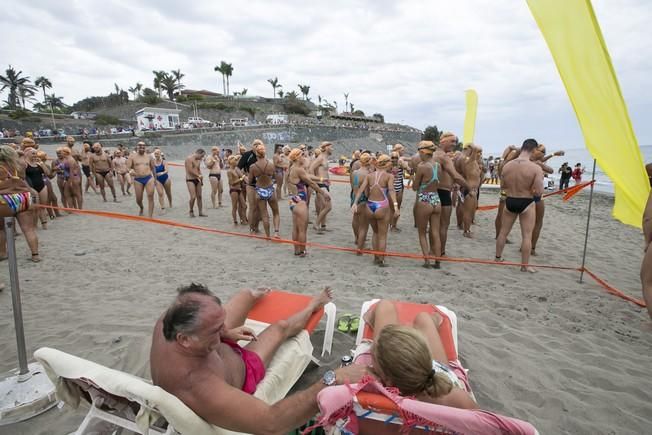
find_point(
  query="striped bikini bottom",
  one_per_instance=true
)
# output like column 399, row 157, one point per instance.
column 17, row 202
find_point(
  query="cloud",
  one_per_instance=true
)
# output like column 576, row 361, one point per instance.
column 410, row 60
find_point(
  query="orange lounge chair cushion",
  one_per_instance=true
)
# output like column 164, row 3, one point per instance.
column 407, row 311
column 279, row 305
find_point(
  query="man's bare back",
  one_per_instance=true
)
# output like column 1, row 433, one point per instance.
column 522, row 178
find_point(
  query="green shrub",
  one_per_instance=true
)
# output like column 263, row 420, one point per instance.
column 151, row 99
column 250, row 110
column 106, row 120
column 20, row 114
column 195, row 97
column 181, row 99
column 296, row 106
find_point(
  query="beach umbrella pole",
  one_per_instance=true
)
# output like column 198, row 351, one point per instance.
column 25, row 392
column 588, row 221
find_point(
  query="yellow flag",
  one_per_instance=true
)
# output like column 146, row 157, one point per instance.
column 573, row 35
column 469, row 120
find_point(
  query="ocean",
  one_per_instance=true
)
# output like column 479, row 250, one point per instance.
column 581, row 155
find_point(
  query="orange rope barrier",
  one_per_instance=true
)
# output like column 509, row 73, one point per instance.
column 406, row 255
column 569, row 193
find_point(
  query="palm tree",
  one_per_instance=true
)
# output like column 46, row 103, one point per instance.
column 43, row 83
column 351, row 106
column 55, row 102
column 292, row 95
column 18, row 87
column 138, row 88
column 169, row 85
column 228, row 72
column 219, row 68
column 346, row 102
column 133, row 91
column 158, row 77
column 178, row 75
column 319, row 99
column 275, row 84
column 305, row 89
column 243, row 91
column 26, row 93
column 280, row 93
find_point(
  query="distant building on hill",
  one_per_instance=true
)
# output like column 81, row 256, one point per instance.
column 157, row 118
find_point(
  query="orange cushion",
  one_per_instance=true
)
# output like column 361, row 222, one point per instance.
column 279, row 305
column 407, row 311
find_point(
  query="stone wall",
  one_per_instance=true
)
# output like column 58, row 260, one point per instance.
column 177, row 144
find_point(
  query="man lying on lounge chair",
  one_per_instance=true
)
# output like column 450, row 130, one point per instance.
column 195, row 356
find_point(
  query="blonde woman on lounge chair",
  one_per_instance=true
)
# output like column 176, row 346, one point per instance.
column 413, row 359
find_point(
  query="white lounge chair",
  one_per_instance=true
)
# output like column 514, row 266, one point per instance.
column 133, row 403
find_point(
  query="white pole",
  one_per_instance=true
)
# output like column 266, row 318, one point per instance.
column 588, row 221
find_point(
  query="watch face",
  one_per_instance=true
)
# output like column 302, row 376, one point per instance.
column 329, row 377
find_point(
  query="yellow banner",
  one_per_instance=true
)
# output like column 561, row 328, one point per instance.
column 573, row 35
column 469, row 120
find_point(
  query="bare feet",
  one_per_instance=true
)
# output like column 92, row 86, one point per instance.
column 467, row 234
column 321, row 299
column 140, row 213
column 191, row 214
column 533, row 252
column 528, row 269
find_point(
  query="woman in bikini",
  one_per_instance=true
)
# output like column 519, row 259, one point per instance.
column 428, row 208
column 379, row 189
column 298, row 182
column 238, row 200
column 263, row 172
column 163, row 180
column 15, row 199
column 359, row 217
column 414, row 360
column 35, row 173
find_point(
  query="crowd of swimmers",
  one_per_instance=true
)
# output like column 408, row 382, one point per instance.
column 441, row 177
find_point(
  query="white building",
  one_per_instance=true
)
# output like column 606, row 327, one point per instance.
column 277, row 119
column 157, row 118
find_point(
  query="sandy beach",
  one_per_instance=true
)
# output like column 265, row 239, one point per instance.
column 568, row 357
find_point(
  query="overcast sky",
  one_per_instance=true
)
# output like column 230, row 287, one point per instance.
column 410, row 60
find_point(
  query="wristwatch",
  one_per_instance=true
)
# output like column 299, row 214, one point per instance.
column 328, row 378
